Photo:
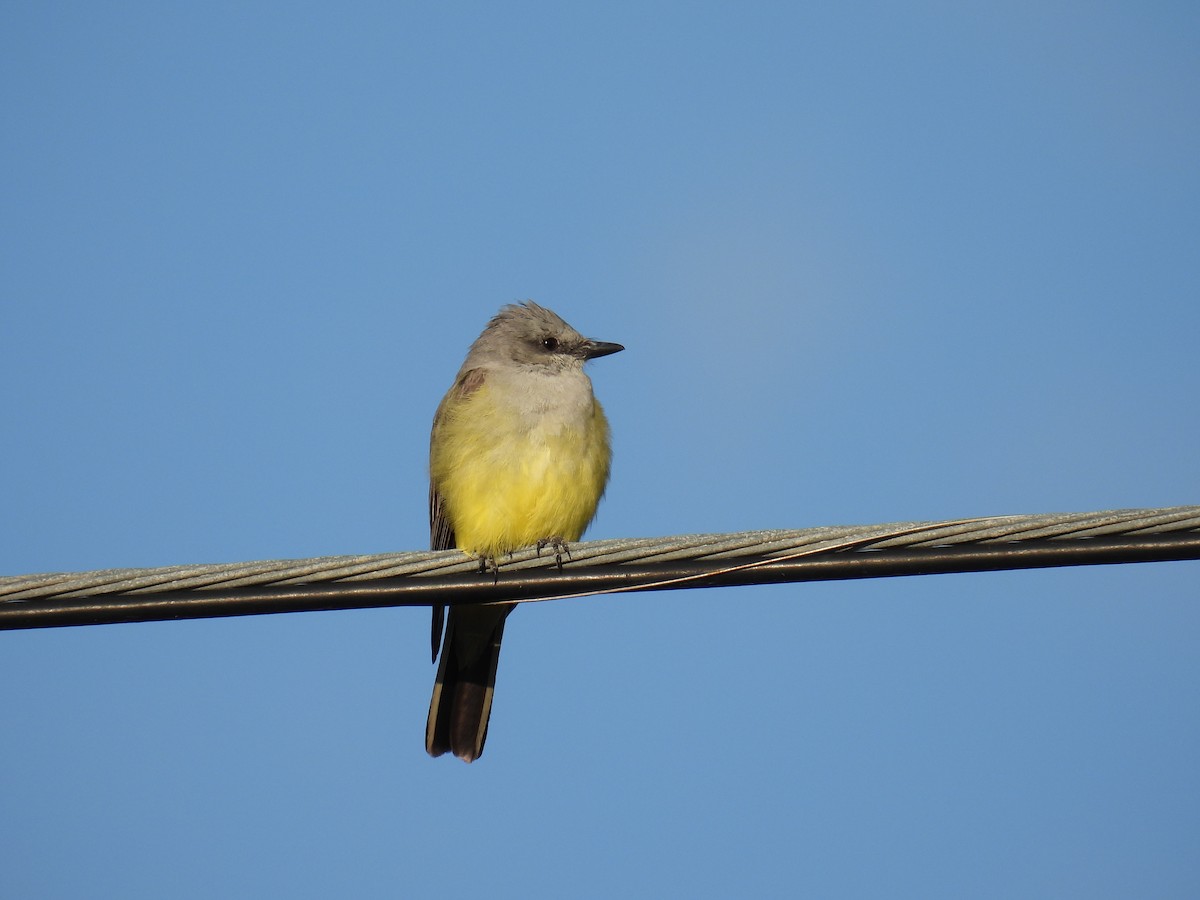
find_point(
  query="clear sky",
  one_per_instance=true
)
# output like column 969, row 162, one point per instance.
column 871, row 262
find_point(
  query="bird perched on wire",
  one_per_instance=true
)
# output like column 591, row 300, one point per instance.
column 519, row 457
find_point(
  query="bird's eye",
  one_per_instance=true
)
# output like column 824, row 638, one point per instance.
column 550, row 343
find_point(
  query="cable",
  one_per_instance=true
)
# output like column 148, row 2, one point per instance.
column 594, row 567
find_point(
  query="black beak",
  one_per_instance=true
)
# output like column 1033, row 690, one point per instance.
column 594, row 349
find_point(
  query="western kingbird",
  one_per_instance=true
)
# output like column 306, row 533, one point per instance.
column 519, row 456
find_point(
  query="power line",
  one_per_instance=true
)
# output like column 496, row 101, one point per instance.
column 712, row 560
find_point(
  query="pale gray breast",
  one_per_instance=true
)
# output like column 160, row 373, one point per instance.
column 544, row 400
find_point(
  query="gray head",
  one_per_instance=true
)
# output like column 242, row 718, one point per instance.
column 530, row 335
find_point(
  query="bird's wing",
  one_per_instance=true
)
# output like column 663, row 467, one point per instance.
column 441, row 532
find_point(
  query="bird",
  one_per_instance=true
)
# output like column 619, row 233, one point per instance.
column 519, row 456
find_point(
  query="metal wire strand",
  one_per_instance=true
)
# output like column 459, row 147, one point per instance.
column 631, row 564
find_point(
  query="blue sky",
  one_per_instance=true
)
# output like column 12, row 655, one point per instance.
column 871, row 262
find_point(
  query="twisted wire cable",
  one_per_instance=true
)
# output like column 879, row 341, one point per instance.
column 607, row 566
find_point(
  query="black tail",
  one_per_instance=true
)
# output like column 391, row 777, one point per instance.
column 466, row 679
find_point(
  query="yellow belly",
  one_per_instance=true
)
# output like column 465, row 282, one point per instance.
column 509, row 481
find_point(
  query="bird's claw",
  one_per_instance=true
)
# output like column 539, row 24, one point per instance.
column 489, row 564
column 558, row 545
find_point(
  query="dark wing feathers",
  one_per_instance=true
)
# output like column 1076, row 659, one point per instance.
column 441, row 532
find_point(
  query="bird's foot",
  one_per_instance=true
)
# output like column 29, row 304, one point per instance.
column 489, row 563
column 558, row 545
